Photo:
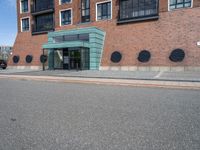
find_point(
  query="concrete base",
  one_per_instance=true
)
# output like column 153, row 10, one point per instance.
column 26, row 67
column 151, row 68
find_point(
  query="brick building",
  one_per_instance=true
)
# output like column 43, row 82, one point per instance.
column 108, row 34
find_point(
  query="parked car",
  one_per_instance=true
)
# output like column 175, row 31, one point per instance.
column 3, row 64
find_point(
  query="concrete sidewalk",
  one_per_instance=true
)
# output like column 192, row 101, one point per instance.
column 186, row 80
column 128, row 75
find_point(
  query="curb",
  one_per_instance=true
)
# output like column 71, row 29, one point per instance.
column 107, row 81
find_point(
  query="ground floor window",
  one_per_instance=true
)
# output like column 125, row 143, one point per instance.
column 175, row 4
column 104, row 10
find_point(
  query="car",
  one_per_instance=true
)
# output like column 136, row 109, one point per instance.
column 3, row 64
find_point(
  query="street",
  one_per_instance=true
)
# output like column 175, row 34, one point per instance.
column 36, row 115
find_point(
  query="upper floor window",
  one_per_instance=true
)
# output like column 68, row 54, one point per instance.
column 65, row 1
column 66, row 17
column 41, row 5
column 131, row 9
column 25, row 24
column 44, row 23
column 175, row 4
column 85, row 10
column 104, row 10
column 24, row 6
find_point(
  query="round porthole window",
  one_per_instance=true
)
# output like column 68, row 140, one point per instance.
column 144, row 56
column 116, row 57
column 177, row 55
column 29, row 58
column 16, row 59
column 43, row 58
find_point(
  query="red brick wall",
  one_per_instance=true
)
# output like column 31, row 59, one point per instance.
column 174, row 29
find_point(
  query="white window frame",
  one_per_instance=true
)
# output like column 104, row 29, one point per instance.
column 102, row 3
column 29, row 24
column 20, row 3
column 64, row 3
column 60, row 20
column 179, row 8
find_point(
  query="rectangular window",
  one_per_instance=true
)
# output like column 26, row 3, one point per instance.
column 104, row 11
column 65, row 1
column 85, row 10
column 66, row 17
column 44, row 23
column 175, row 4
column 40, row 5
column 131, row 9
column 25, row 24
column 24, row 6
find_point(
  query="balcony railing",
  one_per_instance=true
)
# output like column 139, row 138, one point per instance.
column 42, row 6
column 40, row 29
column 140, row 10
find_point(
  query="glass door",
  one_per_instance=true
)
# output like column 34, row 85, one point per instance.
column 58, row 59
column 75, row 59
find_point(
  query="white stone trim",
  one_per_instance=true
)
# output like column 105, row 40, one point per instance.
column 20, row 7
column 28, row 17
column 64, row 3
column 60, row 20
column 106, row 1
column 180, row 8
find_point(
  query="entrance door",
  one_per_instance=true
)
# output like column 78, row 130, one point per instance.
column 75, row 59
column 65, row 58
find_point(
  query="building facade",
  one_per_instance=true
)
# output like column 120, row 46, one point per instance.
column 5, row 52
column 108, row 34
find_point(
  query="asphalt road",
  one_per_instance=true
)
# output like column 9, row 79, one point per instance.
column 61, row 116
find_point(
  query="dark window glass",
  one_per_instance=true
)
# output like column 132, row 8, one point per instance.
column 116, row 57
column 44, row 22
column 25, row 24
column 138, row 8
column 104, row 11
column 43, row 58
column 175, row 4
column 68, row 38
column 16, row 59
column 177, row 55
column 29, row 58
column 66, row 17
column 144, row 56
column 43, row 5
column 85, row 10
column 24, row 6
column 65, row 1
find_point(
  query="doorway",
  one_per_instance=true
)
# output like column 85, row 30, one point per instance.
column 71, row 59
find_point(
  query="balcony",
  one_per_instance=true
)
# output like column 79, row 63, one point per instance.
column 42, row 29
column 42, row 6
column 140, row 11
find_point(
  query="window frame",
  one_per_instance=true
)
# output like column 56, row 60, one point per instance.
column 60, row 2
column 85, row 10
column 60, row 16
column 179, row 8
column 107, row 1
column 22, row 24
column 21, row 7
column 139, row 17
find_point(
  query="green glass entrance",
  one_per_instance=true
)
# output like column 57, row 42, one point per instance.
column 71, row 58
column 89, row 41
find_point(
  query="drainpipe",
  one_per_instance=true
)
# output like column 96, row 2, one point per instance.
column 43, row 66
